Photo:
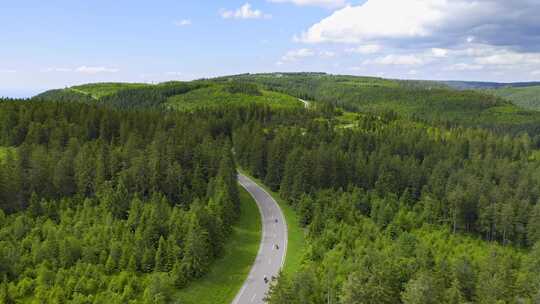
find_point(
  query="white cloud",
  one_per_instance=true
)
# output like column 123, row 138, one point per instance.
column 95, row 70
column 535, row 73
column 465, row 67
column 244, row 12
column 365, row 49
column 323, row 3
column 8, row 71
column 437, row 52
column 507, row 57
column 183, row 22
column 435, row 21
column 327, row 54
column 396, row 60
column 373, row 20
column 297, row 54
column 57, row 69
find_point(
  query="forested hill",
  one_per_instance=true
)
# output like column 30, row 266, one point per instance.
column 129, row 193
column 185, row 96
column 433, row 102
column 427, row 101
column 470, row 85
column 526, row 97
column 523, row 94
column 398, row 212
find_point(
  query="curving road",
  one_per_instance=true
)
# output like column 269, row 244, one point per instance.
column 269, row 260
column 305, row 102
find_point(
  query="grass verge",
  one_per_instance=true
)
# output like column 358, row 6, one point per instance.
column 295, row 244
column 228, row 273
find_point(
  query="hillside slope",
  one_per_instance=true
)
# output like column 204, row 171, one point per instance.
column 425, row 102
column 221, row 94
column 421, row 100
column 525, row 97
column 185, row 96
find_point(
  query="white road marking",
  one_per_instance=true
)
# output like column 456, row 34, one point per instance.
column 253, row 298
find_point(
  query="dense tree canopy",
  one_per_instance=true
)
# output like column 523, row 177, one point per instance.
column 117, row 199
column 102, row 205
column 400, row 212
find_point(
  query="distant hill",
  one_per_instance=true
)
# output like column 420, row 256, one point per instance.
column 98, row 90
column 424, row 100
column 525, row 97
column 219, row 94
column 64, row 95
column 471, row 85
column 173, row 94
column 523, row 94
column 429, row 101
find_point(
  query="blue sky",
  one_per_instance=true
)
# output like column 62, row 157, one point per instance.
column 57, row 43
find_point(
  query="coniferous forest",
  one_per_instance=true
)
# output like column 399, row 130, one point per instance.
column 101, row 205
column 399, row 213
column 122, row 199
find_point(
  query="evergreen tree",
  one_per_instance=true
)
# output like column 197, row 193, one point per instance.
column 161, row 261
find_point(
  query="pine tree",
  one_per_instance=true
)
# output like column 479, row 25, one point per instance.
column 132, row 264
column 148, row 259
column 178, row 275
column 161, row 263
column 34, row 207
column 5, row 296
column 110, row 265
column 533, row 227
column 421, row 290
column 197, row 251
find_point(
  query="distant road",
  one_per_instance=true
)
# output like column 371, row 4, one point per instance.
column 306, row 103
column 269, row 259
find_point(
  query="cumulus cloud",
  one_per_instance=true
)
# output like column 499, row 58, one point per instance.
column 322, row 3
column 57, row 69
column 396, row 60
column 294, row 55
column 373, row 20
column 438, row 52
column 327, row 54
column 436, row 35
column 244, row 12
column 365, row 49
column 435, row 21
column 465, row 67
column 506, row 57
column 183, row 22
column 95, row 70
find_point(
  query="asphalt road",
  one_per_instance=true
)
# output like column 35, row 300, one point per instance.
column 269, row 259
column 305, row 102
